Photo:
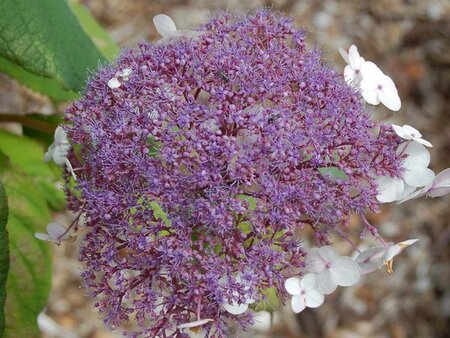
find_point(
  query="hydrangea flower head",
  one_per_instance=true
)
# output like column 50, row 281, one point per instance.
column 198, row 166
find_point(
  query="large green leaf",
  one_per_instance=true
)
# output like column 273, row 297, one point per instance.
column 4, row 255
column 45, row 38
column 43, row 85
column 29, row 277
column 29, row 155
column 98, row 35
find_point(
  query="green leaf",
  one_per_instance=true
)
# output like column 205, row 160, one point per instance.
column 29, row 155
column 29, row 277
column 333, row 173
column 43, row 85
column 4, row 255
column 159, row 213
column 250, row 200
column 269, row 302
column 45, row 38
column 98, row 35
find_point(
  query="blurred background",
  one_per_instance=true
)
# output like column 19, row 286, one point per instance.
column 410, row 41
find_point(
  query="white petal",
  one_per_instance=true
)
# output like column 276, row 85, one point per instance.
column 370, row 71
column 43, row 237
column 440, row 185
column 48, row 156
column 439, row 191
column 400, row 131
column 113, row 83
column 418, row 176
column 417, row 154
column 235, row 308
column 308, row 282
column 369, row 93
column 317, row 258
column 57, row 231
column 164, row 25
column 60, row 154
column 353, row 56
column 292, row 286
column 442, row 179
column 369, row 259
column 389, row 188
column 344, row 54
column 124, row 73
column 314, row 262
column 350, row 75
column 411, row 130
column 325, row 284
column 396, row 249
column 60, row 135
column 249, row 301
column 390, row 99
column 416, row 194
column 424, row 142
column 298, row 303
column 70, row 169
column 407, row 190
column 327, row 253
column 195, row 324
column 408, row 242
column 345, row 271
column 314, row 298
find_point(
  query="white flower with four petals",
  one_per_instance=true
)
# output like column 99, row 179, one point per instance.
column 409, row 133
column 303, row 292
column 331, row 269
column 55, row 233
column 377, row 87
column 417, row 174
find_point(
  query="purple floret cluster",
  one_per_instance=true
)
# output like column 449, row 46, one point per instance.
column 196, row 175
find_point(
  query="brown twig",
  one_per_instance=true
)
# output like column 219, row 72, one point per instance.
column 28, row 122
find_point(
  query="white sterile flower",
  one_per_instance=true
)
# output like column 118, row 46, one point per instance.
column 377, row 87
column 440, row 186
column 124, row 73
column 417, row 174
column 369, row 260
column 114, row 83
column 236, row 308
column 55, row 233
column 59, row 149
column 352, row 72
column 331, row 269
column 409, row 133
column 167, row 29
column 303, row 292
column 374, row 258
column 195, row 324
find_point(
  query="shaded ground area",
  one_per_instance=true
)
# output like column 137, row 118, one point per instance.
column 410, row 40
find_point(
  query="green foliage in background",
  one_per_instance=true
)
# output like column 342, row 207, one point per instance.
column 4, row 253
column 29, row 276
column 50, row 46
